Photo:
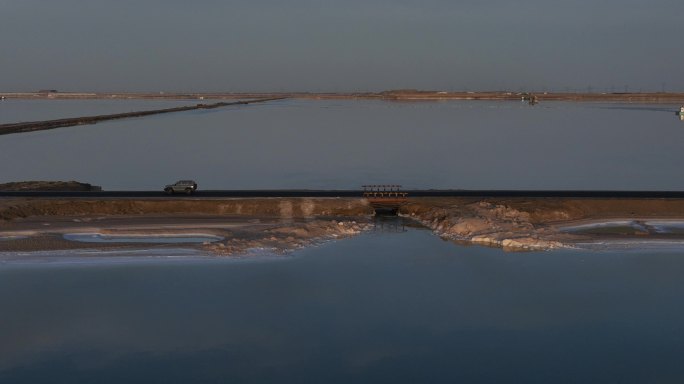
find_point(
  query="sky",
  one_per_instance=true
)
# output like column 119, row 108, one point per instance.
column 341, row 45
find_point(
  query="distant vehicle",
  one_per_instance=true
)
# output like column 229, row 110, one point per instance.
column 181, row 186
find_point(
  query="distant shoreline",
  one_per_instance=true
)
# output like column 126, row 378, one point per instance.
column 399, row 95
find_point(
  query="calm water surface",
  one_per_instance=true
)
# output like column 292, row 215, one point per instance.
column 344, row 144
column 382, row 307
column 388, row 308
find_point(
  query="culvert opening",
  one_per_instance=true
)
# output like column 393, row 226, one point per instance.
column 386, row 199
column 386, row 212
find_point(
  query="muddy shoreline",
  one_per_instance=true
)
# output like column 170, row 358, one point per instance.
column 524, row 224
column 274, row 225
column 280, row 225
column 231, row 235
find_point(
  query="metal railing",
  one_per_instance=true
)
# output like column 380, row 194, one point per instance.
column 384, row 191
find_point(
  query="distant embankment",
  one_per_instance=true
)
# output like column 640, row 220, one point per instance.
column 47, row 186
column 391, row 95
column 6, row 129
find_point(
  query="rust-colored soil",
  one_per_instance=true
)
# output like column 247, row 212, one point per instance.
column 273, row 207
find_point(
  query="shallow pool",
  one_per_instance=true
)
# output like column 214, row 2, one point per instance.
column 165, row 239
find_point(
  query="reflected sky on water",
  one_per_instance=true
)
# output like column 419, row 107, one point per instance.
column 347, row 143
column 382, row 307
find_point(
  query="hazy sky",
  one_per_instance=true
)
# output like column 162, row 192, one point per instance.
column 344, row 45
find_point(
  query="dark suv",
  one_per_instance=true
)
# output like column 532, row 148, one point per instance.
column 186, row 186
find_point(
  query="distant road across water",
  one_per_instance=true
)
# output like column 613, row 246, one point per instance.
column 209, row 194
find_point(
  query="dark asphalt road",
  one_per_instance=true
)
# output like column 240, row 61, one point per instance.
column 353, row 193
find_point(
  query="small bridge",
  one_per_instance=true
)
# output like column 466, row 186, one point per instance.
column 385, row 199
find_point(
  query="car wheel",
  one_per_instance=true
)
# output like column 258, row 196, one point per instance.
column 169, row 191
column 188, row 191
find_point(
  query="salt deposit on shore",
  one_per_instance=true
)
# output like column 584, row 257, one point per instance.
column 212, row 235
column 283, row 225
column 524, row 224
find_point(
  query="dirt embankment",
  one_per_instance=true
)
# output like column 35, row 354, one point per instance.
column 258, row 207
column 49, row 186
column 529, row 223
column 513, row 224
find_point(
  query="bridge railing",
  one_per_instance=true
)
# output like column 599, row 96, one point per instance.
column 384, row 191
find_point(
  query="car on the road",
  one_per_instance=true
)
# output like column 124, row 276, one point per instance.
column 181, row 186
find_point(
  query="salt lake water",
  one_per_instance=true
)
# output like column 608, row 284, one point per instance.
column 383, row 307
column 348, row 143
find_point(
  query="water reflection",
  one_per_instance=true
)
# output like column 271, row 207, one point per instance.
column 342, row 144
column 387, row 224
column 375, row 308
